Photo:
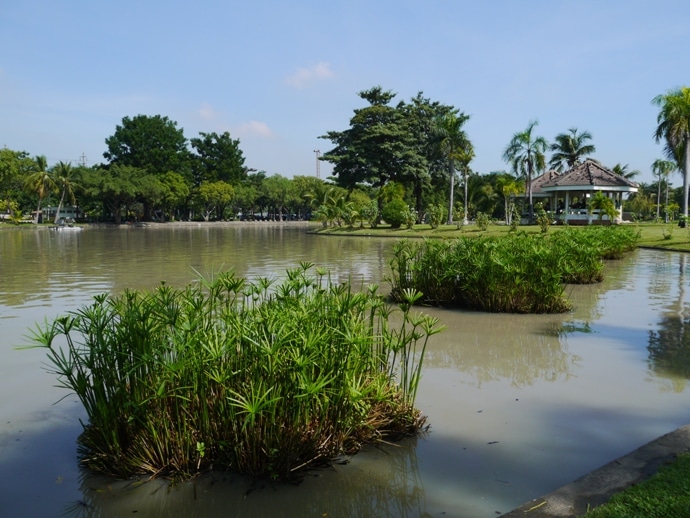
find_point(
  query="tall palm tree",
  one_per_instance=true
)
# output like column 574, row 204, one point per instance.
column 63, row 178
column 673, row 125
column 570, row 148
column 455, row 146
column 525, row 154
column 662, row 169
column 40, row 181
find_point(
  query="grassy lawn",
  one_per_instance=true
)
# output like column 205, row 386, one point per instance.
column 652, row 235
column 667, row 493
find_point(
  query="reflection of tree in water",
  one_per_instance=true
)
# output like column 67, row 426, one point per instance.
column 669, row 347
column 389, row 486
column 669, row 344
column 491, row 347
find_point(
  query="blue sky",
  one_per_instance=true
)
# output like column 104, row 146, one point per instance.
column 278, row 74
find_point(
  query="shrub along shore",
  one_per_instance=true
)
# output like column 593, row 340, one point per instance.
column 265, row 379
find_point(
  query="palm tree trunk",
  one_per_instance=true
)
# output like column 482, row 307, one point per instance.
column 686, row 176
column 452, row 188
column 464, row 220
column 59, row 208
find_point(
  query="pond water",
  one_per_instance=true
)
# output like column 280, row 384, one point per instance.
column 518, row 404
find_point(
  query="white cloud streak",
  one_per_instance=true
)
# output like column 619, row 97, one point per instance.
column 305, row 77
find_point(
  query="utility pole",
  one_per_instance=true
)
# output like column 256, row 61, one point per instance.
column 318, row 163
column 82, row 160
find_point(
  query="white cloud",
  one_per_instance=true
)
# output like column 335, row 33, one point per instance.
column 304, row 77
column 207, row 113
column 253, row 129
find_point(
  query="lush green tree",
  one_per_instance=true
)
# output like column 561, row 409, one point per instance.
column 421, row 115
column 153, row 143
column 570, row 148
column 673, row 126
column 14, row 166
column 245, row 199
column 41, row 182
column 213, row 197
column 378, row 147
column 218, row 157
column 280, row 194
column 63, row 177
column 456, row 148
column 525, row 154
column 395, row 212
column 507, row 187
column 309, row 190
column 175, row 192
column 662, row 169
column 115, row 186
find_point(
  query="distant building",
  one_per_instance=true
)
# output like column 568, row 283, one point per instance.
column 66, row 212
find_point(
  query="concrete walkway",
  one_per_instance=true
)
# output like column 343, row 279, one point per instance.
column 598, row 486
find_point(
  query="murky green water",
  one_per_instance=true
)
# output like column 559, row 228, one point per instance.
column 518, row 404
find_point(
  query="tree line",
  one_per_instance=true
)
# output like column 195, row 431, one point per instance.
column 412, row 154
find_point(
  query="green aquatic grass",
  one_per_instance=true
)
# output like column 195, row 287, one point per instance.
column 516, row 272
column 665, row 494
column 260, row 377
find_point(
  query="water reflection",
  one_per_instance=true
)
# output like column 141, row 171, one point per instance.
column 382, row 482
column 491, row 347
column 518, row 404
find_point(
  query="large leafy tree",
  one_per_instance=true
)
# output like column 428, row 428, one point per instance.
column 673, row 126
column 213, row 197
column 456, row 149
column 175, row 192
column 377, row 148
column 153, row 143
column 14, row 166
column 570, row 148
column 280, row 193
column 525, row 154
column 217, row 158
column 115, row 186
column 422, row 115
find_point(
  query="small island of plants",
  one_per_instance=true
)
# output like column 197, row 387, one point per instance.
column 514, row 273
column 263, row 378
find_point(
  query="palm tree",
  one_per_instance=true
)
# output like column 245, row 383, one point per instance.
column 674, row 127
column 622, row 170
column 604, row 205
column 570, row 148
column 455, row 146
column 40, row 181
column 662, row 168
column 62, row 176
column 525, row 153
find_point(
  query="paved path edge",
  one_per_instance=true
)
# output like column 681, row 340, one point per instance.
column 598, row 486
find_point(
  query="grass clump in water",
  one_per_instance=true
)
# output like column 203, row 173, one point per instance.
column 262, row 379
column 513, row 273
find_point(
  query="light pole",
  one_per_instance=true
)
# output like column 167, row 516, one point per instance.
column 318, row 163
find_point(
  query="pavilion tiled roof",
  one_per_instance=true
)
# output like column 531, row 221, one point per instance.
column 589, row 174
column 539, row 181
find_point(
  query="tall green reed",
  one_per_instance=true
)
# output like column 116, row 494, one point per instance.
column 264, row 378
